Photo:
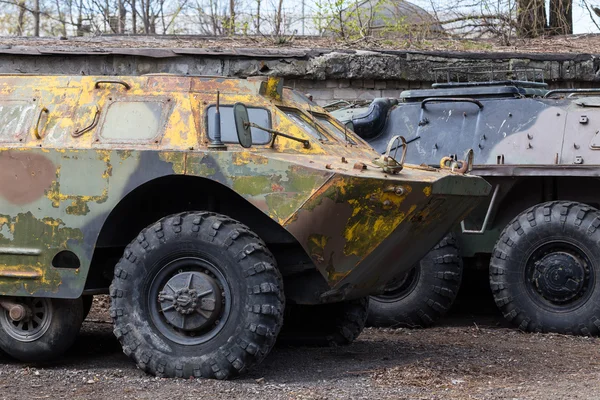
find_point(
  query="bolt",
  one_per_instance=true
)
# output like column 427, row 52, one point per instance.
column 399, row 190
column 387, row 203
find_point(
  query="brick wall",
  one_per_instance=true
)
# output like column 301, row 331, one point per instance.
column 324, row 92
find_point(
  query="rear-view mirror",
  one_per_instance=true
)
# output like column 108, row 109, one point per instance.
column 242, row 125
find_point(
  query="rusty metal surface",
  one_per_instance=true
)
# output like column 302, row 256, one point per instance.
column 56, row 191
column 518, row 134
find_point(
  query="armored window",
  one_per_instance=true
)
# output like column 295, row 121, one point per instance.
column 133, row 121
column 308, row 127
column 15, row 119
column 334, row 130
column 259, row 116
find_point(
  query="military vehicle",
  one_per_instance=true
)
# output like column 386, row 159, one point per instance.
column 538, row 231
column 194, row 201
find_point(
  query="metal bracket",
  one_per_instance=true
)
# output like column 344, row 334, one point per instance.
column 485, row 220
column 116, row 82
column 91, row 126
column 460, row 166
column 387, row 162
column 452, row 100
column 36, row 131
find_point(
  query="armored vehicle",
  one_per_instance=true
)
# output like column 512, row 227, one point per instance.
column 194, row 201
column 538, row 231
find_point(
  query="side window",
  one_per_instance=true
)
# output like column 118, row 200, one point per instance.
column 133, row 121
column 259, row 116
column 15, row 119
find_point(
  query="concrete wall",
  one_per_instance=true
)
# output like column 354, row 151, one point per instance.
column 326, row 74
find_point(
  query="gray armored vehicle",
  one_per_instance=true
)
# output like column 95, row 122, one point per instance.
column 539, row 229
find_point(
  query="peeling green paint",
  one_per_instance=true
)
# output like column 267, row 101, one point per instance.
column 73, row 183
column 47, row 235
column 78, row 207
column 252, row 185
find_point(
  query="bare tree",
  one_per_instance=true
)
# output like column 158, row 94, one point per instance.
column 21, row 18
column 561, row 17
column 36, row 18
column 257, row 16
column 278, row 19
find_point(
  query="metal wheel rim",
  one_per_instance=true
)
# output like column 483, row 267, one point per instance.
column 32, row 328
column 183, row 264
column 401, row 287
column 556, row 246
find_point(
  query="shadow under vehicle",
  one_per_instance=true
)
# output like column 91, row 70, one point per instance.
column 538, row 231
column 207, row 207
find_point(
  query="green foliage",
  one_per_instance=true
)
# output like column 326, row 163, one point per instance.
column 352, row 20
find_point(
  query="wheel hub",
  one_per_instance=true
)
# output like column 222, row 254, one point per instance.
column 559, row 276
column 191, row 301
column 30, row 325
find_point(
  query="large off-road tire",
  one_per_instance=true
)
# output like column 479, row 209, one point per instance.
column 44, row 336
column 88, row 301
column 423, row 295
column 545, row 269
column 197, row 295
column 335, row 324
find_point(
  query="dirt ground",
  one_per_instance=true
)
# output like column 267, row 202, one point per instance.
column 465, row 357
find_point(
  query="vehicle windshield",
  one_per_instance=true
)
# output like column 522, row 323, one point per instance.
column 334, row 130
column 310, row 129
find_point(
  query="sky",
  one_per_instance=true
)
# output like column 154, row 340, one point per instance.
column 581, row 19
column 582, row 22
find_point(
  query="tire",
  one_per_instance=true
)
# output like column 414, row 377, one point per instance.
column 424, row 294
column 335, row 324
column 88, row 301
column 213, row 278
column 48, row 336
column 545, row 269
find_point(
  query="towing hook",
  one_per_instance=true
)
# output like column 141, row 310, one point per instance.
column 460, row 166
column 387, row 162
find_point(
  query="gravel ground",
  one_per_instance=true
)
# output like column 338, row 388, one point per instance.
column 467, row 357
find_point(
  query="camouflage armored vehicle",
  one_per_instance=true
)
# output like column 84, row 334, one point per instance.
column 538, row 231
column 198, row 200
